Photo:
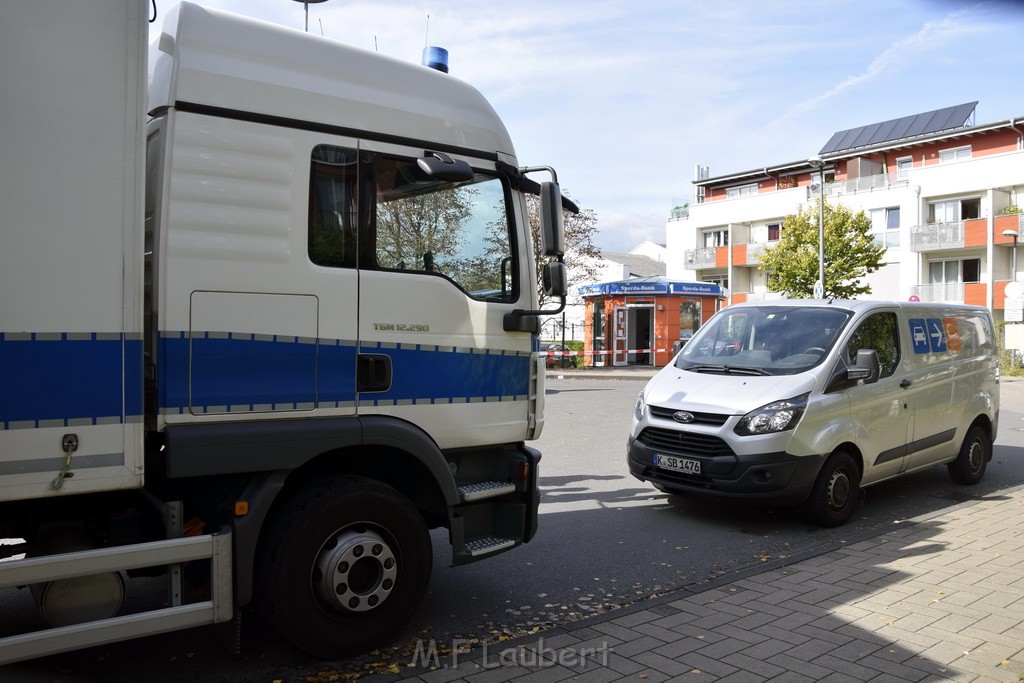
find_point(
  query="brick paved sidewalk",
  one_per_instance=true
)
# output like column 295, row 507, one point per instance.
column 938, row 598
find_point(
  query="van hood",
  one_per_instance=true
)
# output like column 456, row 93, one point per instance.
column 716, row 393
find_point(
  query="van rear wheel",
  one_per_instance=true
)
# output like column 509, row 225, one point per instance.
column 835, row 493
column 976, row 451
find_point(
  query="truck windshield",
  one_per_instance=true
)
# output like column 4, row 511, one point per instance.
column 771, row 339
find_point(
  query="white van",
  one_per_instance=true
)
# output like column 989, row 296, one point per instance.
column 805, row 402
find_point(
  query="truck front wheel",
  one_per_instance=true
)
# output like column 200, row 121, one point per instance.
column 343, row 566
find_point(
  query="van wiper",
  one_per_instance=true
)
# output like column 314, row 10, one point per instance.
column 728, row 370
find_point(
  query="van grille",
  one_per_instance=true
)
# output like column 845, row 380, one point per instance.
column 715, row 419
column 683, row 443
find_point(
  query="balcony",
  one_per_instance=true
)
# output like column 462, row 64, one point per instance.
column 937, row 236
column 867, row 183
column 754, row 251
column 946, row 293
column 696, row 259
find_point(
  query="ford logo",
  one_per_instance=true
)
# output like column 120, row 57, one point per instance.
column 682, row 416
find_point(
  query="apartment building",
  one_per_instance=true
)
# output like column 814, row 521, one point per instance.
column 941, row 192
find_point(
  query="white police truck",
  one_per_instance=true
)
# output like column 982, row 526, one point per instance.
column 259, row 332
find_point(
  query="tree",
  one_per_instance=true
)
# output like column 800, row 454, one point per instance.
column 850, row 254
column 581, row 254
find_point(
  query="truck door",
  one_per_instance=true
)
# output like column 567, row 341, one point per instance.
column 441, row 264
column 333, row 243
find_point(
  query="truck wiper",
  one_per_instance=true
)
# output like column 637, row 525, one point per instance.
column 728, row 370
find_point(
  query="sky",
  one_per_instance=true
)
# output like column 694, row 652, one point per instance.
column 625, row 97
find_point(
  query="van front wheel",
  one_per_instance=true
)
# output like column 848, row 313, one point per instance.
column 835, row 493
column 969, row 466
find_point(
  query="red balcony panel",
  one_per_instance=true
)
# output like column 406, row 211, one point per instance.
column 975, row 232
column 998, row 294
column 975, row 293
column 739, row 255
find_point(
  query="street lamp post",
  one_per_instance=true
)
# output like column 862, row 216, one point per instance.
column 306, row 4
column 818, row 163
column 1016, row 236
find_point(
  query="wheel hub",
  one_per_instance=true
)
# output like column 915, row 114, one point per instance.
column 974, row 457
column 355, row 571
column 838, row 490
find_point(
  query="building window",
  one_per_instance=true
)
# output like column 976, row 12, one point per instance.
column 720, row 280
column 774, row 232
column 954, row 271
column 956, row 154
column 716, row 238
column 953, row 210
column 903, row 166
column 741, row 191
column 885, row 226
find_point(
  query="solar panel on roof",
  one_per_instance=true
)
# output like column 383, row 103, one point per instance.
column 883, row 132
column 865, row 135
column 925, row 123
column 920, row 124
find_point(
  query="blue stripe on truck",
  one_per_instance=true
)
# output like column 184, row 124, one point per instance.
column 53, row 379
column 236, row 373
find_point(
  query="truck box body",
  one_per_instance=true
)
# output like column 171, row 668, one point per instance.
column 71, row 256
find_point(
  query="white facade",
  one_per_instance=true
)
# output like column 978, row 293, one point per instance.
column 935, row 201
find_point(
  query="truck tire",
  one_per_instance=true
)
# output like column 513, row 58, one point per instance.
column 343, row 566
column 975, row 452
column 835, row 493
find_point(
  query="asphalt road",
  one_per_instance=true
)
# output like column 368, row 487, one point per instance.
column 605, row 540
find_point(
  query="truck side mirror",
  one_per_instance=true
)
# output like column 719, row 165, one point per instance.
column 866, row 367
column 551, row 232
column 553, row 279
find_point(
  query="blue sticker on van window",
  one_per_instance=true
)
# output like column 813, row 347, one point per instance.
column 919, row 335
column 936, row 335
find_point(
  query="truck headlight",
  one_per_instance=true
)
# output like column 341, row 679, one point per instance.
column 774, row 417
column 641, row 407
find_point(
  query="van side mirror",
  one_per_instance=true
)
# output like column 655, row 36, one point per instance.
column 865, row 368
column 552, row 235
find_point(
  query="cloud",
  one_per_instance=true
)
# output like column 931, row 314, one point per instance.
column 933, row 36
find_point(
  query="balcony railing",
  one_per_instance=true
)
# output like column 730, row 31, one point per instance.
column 946, row 292
column 867, row 183
column 754, row 251
column 937, row 236
column 680, row 211
column 701, row 258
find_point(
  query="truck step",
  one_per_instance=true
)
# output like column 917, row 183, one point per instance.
column 487, row 545
column 485, row 489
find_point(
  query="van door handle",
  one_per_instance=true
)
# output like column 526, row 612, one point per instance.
column 905, row 383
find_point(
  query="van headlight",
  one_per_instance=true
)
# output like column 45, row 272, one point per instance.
column 774, row 417
column 641, row 407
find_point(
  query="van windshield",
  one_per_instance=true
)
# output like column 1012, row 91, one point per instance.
column 764, row 340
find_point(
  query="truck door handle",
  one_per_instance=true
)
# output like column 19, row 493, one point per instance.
column 905, row 383
column 373, row 372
